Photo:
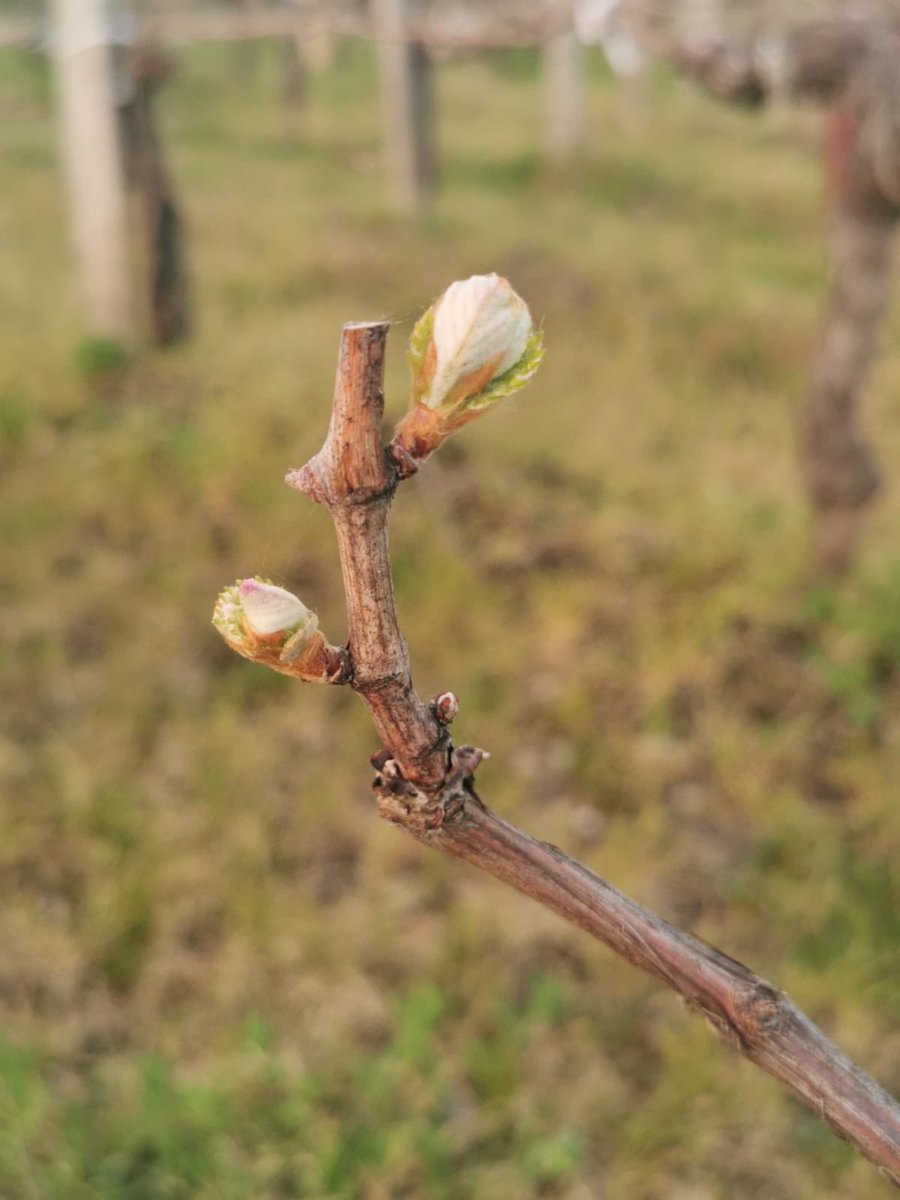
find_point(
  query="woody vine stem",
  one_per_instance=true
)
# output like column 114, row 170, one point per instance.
column 426, row 785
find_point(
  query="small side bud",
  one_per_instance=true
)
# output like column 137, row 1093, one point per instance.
column 445, row 707
column 269, row 624
column 475, row 345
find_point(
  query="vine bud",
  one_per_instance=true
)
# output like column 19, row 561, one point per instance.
column 475, row 345
column 269, row 624
column 268, row 609
column 445, row 707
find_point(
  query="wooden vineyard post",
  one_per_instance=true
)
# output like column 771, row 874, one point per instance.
column 93, row 164
column 564, row 95
column 406, row 97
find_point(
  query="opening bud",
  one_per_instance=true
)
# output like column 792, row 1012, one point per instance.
column 475, row 345
column 269, row 624
column 268, row 609
column 446, row 707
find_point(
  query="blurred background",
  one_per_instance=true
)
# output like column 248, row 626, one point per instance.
column 646, row 578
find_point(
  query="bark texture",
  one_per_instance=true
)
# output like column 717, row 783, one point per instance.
column 354, row 478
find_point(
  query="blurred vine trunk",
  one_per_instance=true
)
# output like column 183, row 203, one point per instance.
column 840, row 467
column 852, row 67
column 165, row 258
column 245, row 49
column 293, row 87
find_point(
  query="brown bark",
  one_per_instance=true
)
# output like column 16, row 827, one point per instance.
column 426, row 785
column 750, row 1015
column 352, row 475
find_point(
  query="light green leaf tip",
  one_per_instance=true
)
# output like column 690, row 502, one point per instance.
column 513, row 379
column 418, row 348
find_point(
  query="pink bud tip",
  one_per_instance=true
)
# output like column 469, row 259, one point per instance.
column 446, row 706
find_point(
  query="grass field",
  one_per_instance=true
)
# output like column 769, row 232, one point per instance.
column 220, row 975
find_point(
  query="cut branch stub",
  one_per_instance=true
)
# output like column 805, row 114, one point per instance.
column 401, row 802
column 351, row 464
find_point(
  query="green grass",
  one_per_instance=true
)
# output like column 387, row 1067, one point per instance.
column 220, row 975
